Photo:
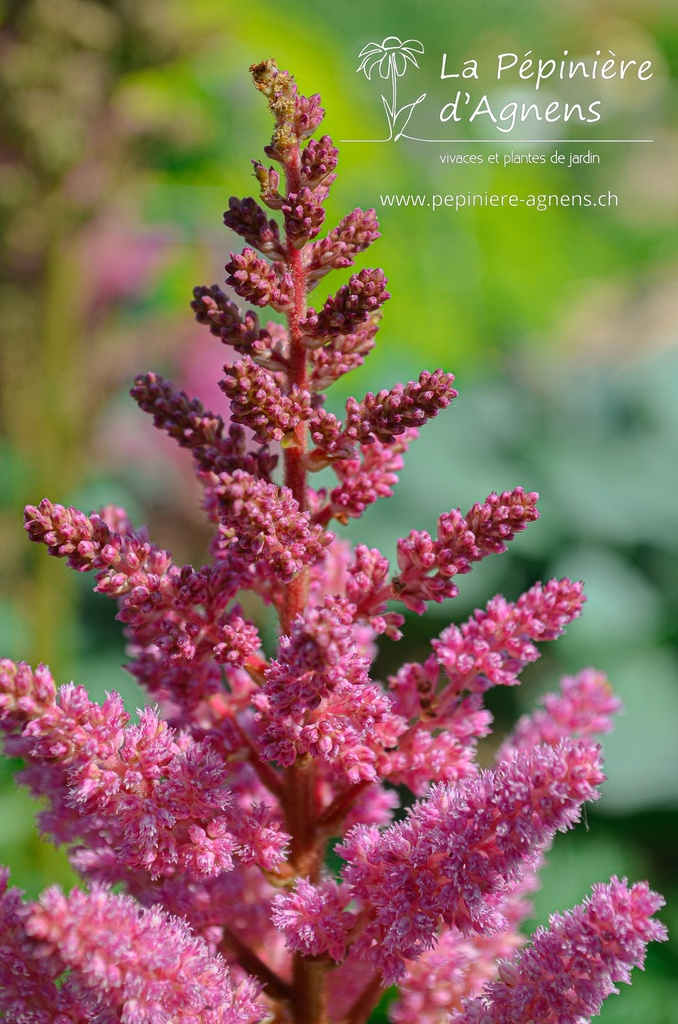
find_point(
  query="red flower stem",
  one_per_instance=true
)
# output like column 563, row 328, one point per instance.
column 309, row 989
column 335, row 812
column 297, row 373
column 254, row 965
column 309, row 1002
column 365, row 1003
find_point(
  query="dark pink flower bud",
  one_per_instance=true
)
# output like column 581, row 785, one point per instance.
column 308, row 115
column 304, row 216
column 257, row 281
column 500, row 517
column 353, row 304
column 318, row 160
column 247, row 219
column 258, row 403
column 390, row 413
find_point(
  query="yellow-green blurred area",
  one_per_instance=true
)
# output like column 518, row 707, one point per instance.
column 125, row 127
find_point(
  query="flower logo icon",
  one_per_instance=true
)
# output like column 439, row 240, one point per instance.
column 391, row 58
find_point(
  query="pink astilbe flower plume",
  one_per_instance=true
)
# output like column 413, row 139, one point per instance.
column 584, row 707
column 460, row 964
column 457, row 853
column 144, row 963
column 31, row 987
column 241, row 847
column 572, row 966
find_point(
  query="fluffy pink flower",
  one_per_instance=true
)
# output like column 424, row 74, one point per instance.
column 158, row 800
column 584, row 707
column 494, row 645
column 313, row 919
column 143, row 963
column 32, row 987
column 571, row 967
column 456, row 853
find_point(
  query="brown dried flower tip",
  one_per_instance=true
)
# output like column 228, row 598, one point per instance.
column 279, row 89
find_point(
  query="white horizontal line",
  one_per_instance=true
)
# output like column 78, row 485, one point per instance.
column 531, row 142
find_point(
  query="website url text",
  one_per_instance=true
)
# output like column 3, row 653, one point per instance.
column 538, row 201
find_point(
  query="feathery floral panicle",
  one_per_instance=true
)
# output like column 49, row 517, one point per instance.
column 439, row 747
column 186, row 617
column 584, row 707
column 456, row 853
column 144, row 963
column 31, row 984
column 319, row 654
column 215, row 814
column 183, row 612
column 263, row 523
column 160, row 801
column 428, row 566
column 570, row 968
column 459, row 965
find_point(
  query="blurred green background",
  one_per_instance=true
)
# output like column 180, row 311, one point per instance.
column 124, row 127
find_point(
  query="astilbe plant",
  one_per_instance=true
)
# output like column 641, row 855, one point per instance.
column 201, row 833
